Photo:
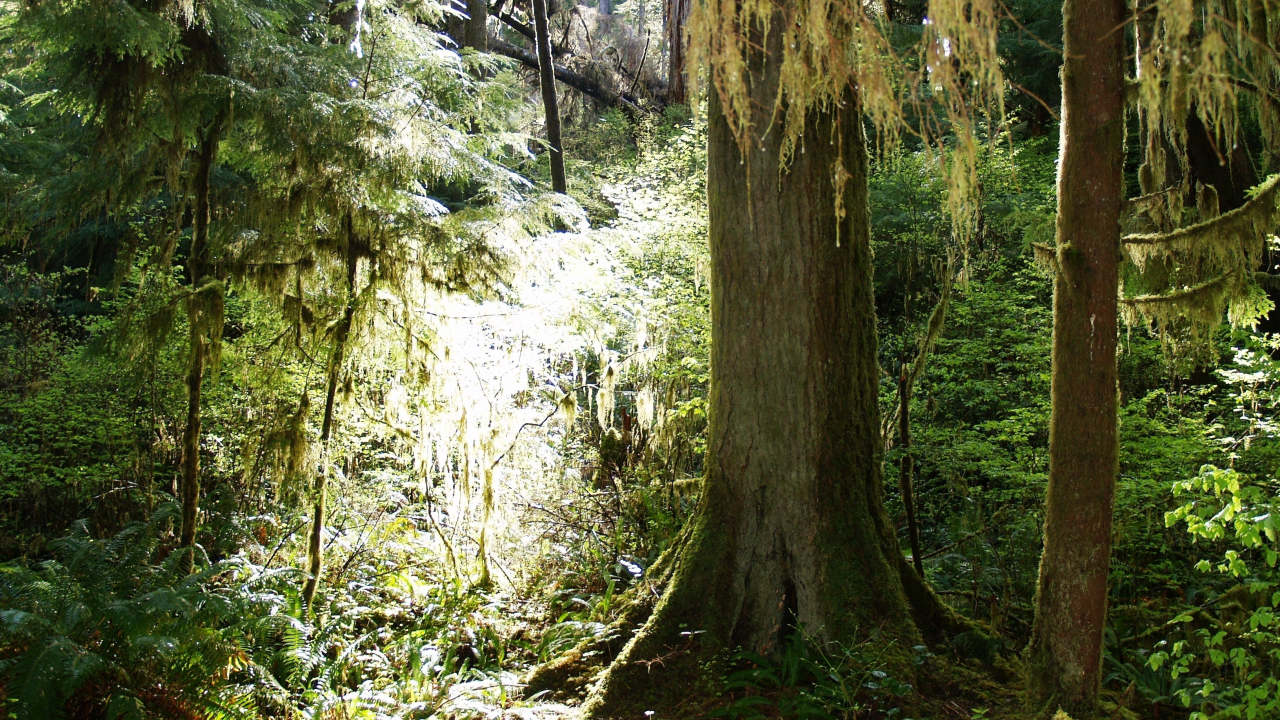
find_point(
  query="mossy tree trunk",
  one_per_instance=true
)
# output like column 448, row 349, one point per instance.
column 547, row 79
column 199, row 270
column 341, row 335
column 1065, row 653
column 191, row 452
column 791, row 528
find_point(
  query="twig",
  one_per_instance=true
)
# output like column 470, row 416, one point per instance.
column 267, row 565
column 945, row 548
column 520, row 429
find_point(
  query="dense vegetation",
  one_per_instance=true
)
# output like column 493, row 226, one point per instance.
column 316, row 401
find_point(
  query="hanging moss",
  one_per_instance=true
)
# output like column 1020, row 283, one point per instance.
column 952, row 86
column 1199, row 272
column 1227, row 242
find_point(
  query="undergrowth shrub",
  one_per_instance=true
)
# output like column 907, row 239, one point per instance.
column 813, row 680
column 112, row 627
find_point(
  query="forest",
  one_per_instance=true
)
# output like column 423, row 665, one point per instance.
column 651, row 359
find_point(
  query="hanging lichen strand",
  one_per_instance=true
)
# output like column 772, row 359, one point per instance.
column 1221, row 244
column 1208, row 268
column 1199, row 57
column 952, row 87
column 1214, row 62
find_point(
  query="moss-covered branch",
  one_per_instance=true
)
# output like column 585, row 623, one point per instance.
column 1227, row 242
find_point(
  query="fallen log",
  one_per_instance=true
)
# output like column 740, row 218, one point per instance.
column 577, row 81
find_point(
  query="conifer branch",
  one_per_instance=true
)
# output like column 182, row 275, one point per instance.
column 1142, row 200
column 1259, row 210
column 515, row 24
column 1202, row 305
column 1230, row 242
column 1180, row 297
column 1267, row 281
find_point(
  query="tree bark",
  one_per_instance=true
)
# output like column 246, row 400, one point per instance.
column 791, row 532
column 191, row 452
column 197, row 266
column 470, row 29
column 1065, row 653
column 475, row 32
column 547, row 79
column 341, row 333
column 677, row 15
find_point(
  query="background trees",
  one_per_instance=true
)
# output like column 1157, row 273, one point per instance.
column 518, row 383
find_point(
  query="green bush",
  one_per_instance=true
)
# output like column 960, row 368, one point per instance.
column 112, row 628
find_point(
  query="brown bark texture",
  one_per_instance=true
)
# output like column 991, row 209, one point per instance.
column 676, row 16
column 547, row 79
column 198, row 269
column 469, row 29
column 191, row 454
column 1065, row 653
column 791, row 530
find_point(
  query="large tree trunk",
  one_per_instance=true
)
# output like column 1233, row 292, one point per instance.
column 1065, row 654
column 197, row 268
column 547, row 79
column 470, row 30
column 341, row 333
column 676, row 16
column 791, row 530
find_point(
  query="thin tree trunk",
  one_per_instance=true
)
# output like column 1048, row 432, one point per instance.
column 791, row 533
column 196, row 265
column 315, row 545
column 1065, row 653
column 906, row 466
column 606, row 7
column 547, row 79
column 906, row 384
column 191, row 452
column 677, row 15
